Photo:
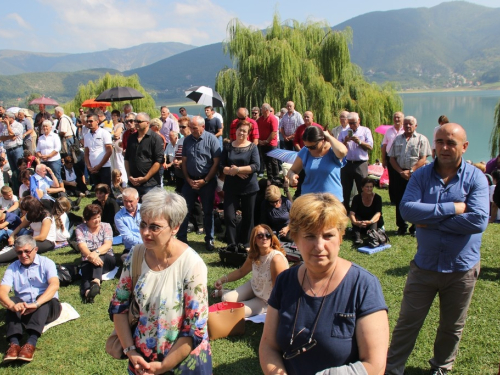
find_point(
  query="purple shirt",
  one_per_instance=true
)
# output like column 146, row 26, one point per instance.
column 30, row 282
column 168, row 126
column 491, row 166
column 354, row 151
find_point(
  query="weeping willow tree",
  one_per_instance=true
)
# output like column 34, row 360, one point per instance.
column 307, row 63
column 93, row 88
column 495, row 133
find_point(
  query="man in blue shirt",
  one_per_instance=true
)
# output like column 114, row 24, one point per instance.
column 127, row 220
column 448, row 201
column 35, row 302
column 200, row 161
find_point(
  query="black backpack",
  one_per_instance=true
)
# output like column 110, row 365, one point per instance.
column 67, row 273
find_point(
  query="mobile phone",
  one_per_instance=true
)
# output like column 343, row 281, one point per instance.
column 349, row 132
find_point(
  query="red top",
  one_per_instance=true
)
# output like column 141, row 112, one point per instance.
column 126, row 134
column 254, row 134
column 300, row 131
column 267, row 125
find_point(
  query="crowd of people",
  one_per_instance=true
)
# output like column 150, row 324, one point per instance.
column 125, row 158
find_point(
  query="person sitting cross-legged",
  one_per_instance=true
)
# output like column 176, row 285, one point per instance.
column 127, row 220
column 34, row 304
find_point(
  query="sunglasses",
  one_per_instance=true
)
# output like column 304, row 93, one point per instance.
column 300, row 350
column 26, row 252
column 255, row 113
column 129, row 121
column 314, row 146
column 153, row 228
column 261, row 236
column 139, row 121
column 183, row 127
column 90, row 121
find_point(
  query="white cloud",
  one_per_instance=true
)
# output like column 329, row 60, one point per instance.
column 20, row 21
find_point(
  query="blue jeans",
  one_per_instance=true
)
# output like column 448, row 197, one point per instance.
column 13, row 155
column 5, row 234
column 55, row 166
column 206, row 194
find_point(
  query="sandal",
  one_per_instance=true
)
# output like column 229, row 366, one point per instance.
column 217, row 293
column 94, row 290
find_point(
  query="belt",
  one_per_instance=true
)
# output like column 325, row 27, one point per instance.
column 198, row 177
column 13, row 148
column 356, row 161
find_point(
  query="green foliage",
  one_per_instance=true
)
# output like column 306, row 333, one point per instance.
column 495, row 133
column 31, row 97
column 93, row 88
column 307, row 63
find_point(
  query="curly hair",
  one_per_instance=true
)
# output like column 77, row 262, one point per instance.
column 35, row 212
column 91, row 210
column 254, row 252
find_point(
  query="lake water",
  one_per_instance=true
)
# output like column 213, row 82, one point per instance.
column 474, row 110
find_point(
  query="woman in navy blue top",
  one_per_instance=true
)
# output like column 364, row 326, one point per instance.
column 240, row 162
column 327, row 313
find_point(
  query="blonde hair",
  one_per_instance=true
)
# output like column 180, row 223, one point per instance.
column 311, row 213
column 6, row 189
column 157, row 122
column 273, row 193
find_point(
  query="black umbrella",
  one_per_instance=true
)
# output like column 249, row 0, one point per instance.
column 119, row 94
column 205, row 95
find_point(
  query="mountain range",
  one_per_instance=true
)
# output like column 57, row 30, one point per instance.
column 452, row 44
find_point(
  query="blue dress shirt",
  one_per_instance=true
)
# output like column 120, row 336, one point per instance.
column 448, row 242
column 128, row 226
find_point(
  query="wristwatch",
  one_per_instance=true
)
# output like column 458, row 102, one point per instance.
column 98, row 253
column 126, row 350
column 411, row 171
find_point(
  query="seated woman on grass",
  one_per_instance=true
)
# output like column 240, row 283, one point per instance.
column 266, row 260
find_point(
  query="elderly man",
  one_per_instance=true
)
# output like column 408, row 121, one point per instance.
column 409, row 152
column 128, row 110
column 12, row 137
column 33, row 278
column 98, row 150
column 65, row 129
column 200, row 161
column 242, row 115
column 170, row 152
column 144, row 156
column 46, row 185
column 127, row 220
column 389, row 137
column 448, row 201
column 168, row 123
column 344, row 124
column 298, row 143
column 359, row 141
column 289, row 124
column 22, row 118
column 268, row 140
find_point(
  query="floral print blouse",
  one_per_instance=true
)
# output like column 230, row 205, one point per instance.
column 94, row 241
column 173, row 303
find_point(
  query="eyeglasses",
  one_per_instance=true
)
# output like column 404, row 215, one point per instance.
column 255, row 113
column 314, row 146
column 183, row 127
column 352, row 122
column 260, row 236
column 26, row 252
column 90, row 121
column 153, row 228
column 129, row 121
column 139, row 121
column 300, row 350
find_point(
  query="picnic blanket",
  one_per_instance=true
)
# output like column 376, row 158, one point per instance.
column 67, row 313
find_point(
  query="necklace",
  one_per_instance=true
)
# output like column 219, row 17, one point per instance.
column 310, row 284
column 158, row 262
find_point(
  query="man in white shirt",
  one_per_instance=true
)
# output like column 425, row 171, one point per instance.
column 389, row 137
column 65, row 129
column 12, row 137
column 98, row 150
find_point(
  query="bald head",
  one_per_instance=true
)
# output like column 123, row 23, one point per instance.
column 451, row 144
column 308, row 117
column 456, row 129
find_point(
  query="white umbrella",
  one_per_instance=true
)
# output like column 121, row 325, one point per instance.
column 204, row 95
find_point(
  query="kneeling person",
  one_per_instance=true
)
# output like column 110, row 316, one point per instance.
column 35, row 303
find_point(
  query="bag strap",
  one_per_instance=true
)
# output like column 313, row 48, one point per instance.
column 137, row 258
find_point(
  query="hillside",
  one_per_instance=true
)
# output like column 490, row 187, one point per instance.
column 18, row 62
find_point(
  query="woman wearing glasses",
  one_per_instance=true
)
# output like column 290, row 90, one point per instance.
column 266, row 260
column 321, row 159
column 171, row 291
column 327, row 316
column 275, row 212
column 94, row 240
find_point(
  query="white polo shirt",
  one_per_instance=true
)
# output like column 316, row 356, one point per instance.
column 96, row 143
column 49, row 143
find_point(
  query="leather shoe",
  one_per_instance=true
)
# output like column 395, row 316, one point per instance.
column 27, row 352
column 12, row 353
column 209, row 245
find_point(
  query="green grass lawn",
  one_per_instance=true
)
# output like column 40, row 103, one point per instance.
column 77, row 347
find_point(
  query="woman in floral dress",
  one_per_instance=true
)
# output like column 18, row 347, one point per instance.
column 171, row 291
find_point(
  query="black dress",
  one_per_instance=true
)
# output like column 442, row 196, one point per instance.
column 363, row 212
column 108, row 213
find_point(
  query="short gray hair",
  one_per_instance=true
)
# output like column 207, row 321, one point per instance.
column 59, row 109
column 11, row 114
column 198, row 121
column 130, row 192
column 353, row 116
column 128, row 106
column 145, row 115
column 24, row 240
column 159, row 203
column 266, row 107
column 47, row 122
column 412, row 120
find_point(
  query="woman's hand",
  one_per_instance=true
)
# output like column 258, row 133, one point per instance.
column 10, row 241
column 154, row 368
column 138, row 362
column 94, row 258
column 218, row 284
column 284, row 231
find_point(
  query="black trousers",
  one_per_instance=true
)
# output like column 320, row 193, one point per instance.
column 90, row 272
column 352, row 172
column 398, row 184
column 46, row 313
column 393, row 175
column 246, row 204
column 44, row 246
column 272, row 168
column 101, row 177
column 289, row 145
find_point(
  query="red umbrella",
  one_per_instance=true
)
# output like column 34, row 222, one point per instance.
column 382, row 129
column 45, row 101
column 91, row 103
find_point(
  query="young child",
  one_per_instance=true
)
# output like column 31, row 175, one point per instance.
column 9, row 201
column 8, row 222
column 117, row 186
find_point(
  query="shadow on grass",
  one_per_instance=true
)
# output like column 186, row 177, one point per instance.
column 398, row 271
column 490, row 274
column 242, row 366
column 416, row 371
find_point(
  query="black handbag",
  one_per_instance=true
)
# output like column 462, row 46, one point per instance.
column 377, row 237
column 233, row 255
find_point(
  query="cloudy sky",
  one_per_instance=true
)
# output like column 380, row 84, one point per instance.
column 71, row 26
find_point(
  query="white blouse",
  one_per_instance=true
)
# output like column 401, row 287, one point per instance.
column 49, row 143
